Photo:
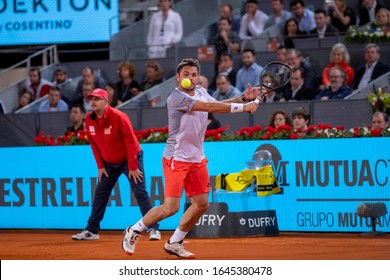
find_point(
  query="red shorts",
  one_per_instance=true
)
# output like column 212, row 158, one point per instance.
column 194, row 177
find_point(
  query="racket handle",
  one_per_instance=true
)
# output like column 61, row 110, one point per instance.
column 257, row 100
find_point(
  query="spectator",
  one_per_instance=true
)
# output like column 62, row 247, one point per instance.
column 61, row 80
column 54, row 103
column 127, row 87
column 382, row 18
column 298, row 91
column 204, row 82
column 301, row 119
column 113, row 100
column 165, row 30
column 291, row 31
column 322, row 28
column 36, row 85
column 213, row 123
column 281, row 54
column 89, row 77
column 84, row 101
column 272, row 97
column 25, row 98
column 60, row 76
column 337, row 88
column 253, row 22
column 368, row 10
column 76, row 115
column 226, row 11
column 379, row 120
column 304, row 16
column 341, row 16
column 225, row 67
column 153, row 75
column 224, row 89
column 226, row 41
column 295, row 59
column 372, row 69
column 278, row 16
column 278, row 118
column 339, row 56
column 249, row 73
column 2, row 108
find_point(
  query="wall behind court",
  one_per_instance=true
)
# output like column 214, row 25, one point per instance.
column 323, row 182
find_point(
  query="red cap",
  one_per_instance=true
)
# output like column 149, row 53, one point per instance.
column 99, row 93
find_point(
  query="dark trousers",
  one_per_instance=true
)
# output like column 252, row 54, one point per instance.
column 104, row 189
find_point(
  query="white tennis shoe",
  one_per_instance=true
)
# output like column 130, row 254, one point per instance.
column 85, row 235
column 178, row 250
column 130, row 239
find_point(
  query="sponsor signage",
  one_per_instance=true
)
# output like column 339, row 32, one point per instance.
column 323, row 182
column 60, row 21
column 219, row 222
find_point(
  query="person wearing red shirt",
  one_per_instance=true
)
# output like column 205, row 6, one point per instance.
column 117, row 151
column 339, row 56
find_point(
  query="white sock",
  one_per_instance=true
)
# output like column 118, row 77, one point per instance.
column 138, row 226
column 177, row 236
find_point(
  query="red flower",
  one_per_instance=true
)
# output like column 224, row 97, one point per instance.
column 340, row 128
column 216, row 137
column 270, row 129
column 376, row 132
column 294, row 136
column 321, row 126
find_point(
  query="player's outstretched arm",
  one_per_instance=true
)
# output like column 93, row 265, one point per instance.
column 221, row 107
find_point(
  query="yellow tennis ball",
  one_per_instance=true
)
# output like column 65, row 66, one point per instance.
column 185, row 83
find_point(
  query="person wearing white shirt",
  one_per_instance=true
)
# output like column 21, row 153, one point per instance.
column 253, row 22
column 165, row 30
column 372, row 69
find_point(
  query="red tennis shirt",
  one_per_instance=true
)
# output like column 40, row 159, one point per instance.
column 112, row 138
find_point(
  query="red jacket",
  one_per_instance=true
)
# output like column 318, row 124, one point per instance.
column 350, row 73
column 112, row 138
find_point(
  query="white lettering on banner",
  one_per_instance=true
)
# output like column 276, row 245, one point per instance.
column 49, row 6
column 261, row 222
column 210, row 220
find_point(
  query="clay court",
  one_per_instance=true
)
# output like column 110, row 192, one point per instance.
column 57, row 245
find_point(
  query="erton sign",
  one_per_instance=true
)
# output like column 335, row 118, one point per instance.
column 57, row 21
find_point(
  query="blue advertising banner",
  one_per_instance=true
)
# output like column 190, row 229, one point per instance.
column 60, row 21
column 323, row 182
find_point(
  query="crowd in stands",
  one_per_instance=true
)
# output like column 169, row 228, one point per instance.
column 63, row 93
column 336, row 81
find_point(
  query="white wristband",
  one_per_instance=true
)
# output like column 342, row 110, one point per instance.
column 236, row 107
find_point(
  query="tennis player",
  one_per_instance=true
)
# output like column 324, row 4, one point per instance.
column 184, row 162
column 117, row 151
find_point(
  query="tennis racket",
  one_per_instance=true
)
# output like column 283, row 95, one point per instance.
column 274, row 75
